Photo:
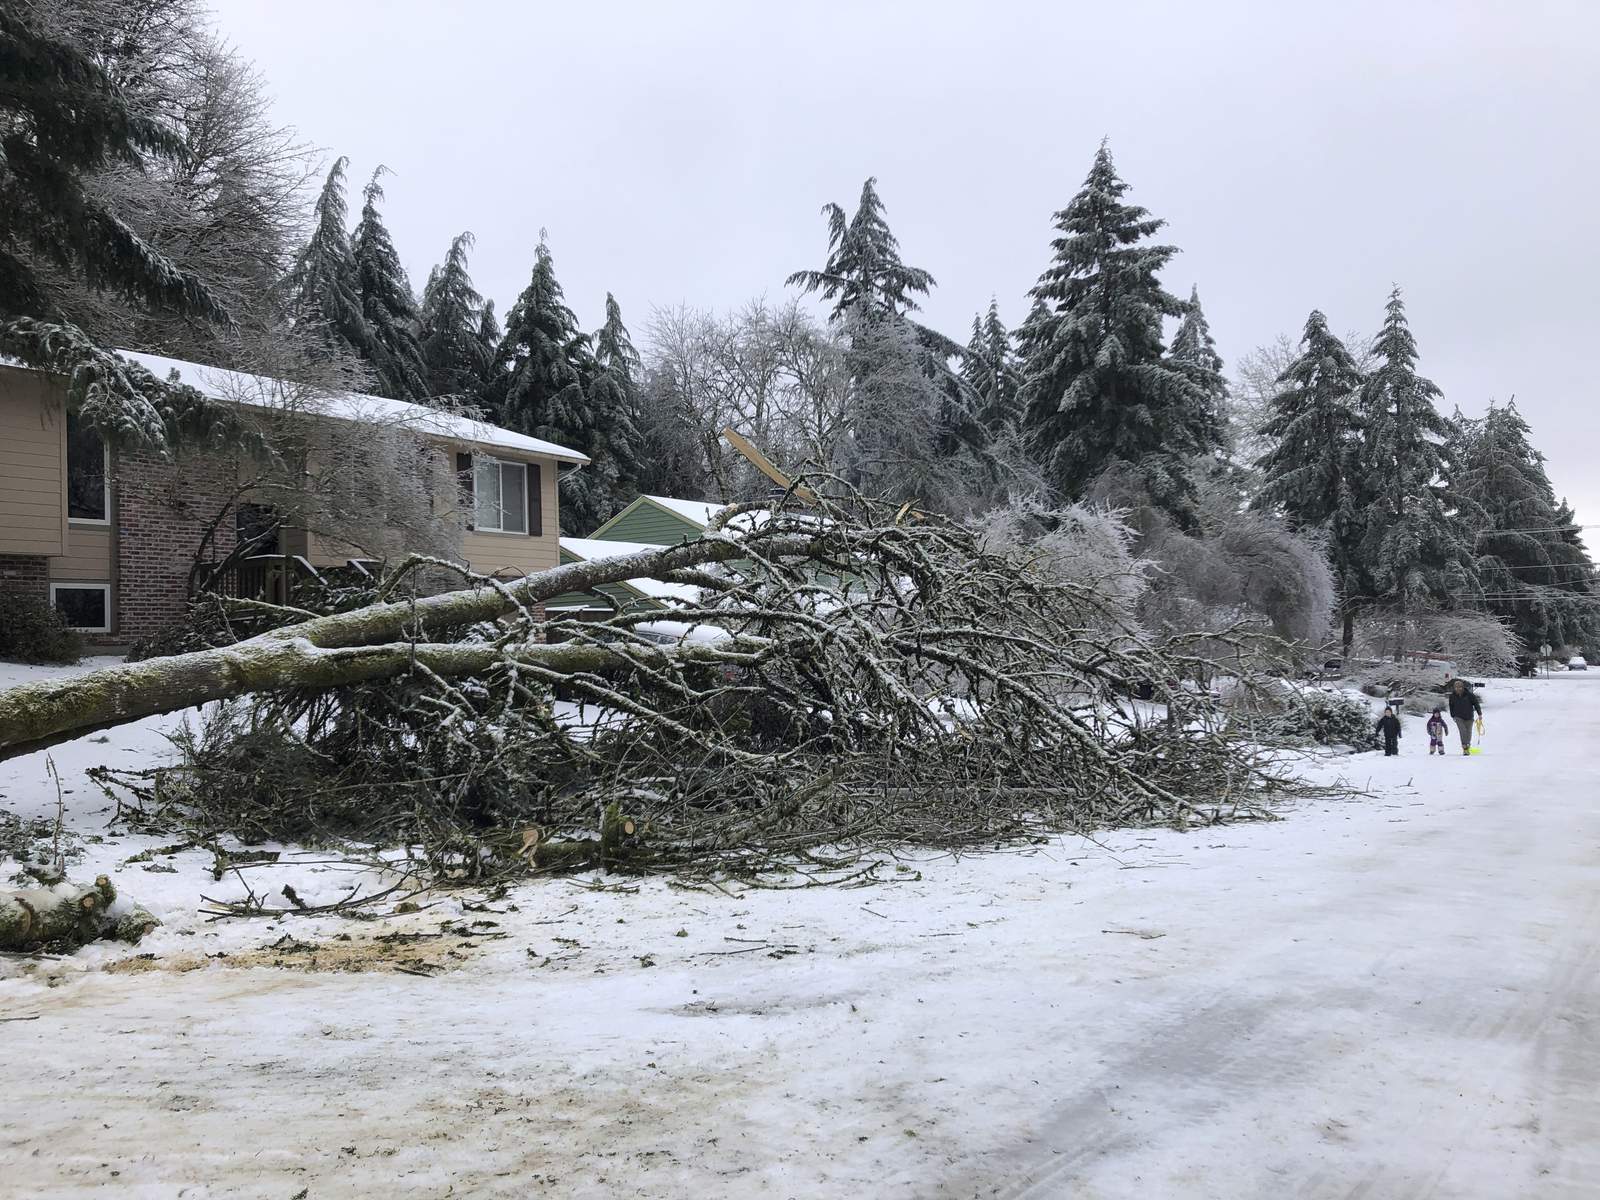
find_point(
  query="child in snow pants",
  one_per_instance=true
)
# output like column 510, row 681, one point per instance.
column 1436, row 732
column 1389, row 726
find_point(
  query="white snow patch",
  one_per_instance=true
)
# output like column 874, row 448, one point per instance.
column 1389, row 995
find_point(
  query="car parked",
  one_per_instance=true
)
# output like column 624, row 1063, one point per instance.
column 1577, row 663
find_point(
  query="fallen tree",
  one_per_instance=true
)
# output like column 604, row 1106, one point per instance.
column 382, row 640
column 846, row 678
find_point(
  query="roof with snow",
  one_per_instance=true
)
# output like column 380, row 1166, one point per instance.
column 590, row 549
column 264, row 392
column 700, row 512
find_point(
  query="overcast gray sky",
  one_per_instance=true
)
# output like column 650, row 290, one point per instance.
column 1304, row 156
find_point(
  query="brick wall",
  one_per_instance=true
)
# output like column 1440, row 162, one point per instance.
column 25, row 573
column 163, row 508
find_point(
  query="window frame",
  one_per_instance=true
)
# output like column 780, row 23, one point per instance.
column 478, row 525
column 74, row 585
column 105, row 485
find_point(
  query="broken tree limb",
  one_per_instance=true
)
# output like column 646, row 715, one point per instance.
column 345, row 648
column 66, row 915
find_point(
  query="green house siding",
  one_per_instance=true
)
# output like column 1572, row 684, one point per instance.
column 621, row 595
column 646, row 521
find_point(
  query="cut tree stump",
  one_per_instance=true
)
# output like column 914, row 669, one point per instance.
column 66, row 915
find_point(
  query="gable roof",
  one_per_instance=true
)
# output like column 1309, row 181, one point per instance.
column 700, row 512
column 691, row 516
column 589, row 549
column 263, row 392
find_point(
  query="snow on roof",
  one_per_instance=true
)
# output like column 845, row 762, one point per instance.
column 590, row 549
column 698, row 511
column 263, row 392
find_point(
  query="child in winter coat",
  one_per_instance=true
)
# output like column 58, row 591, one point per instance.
column 1436, row 728
column 1389, row 726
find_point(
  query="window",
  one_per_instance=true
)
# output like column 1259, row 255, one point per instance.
column 258, row 526
column 88, row 480
column 500, row 495
column 85, row 606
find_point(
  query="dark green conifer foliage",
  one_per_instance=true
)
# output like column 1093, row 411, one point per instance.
column 1098, row 387
column 1312, row 473
column 324, row 287
column 873, row 293
column 1195, row 352
column 615, row 442
column 61, row 119
column 1530, row 561
column 864, row 271
column 452, row 344
column 989, row 369
column 1415, row 548
column 538, row 386
column 388, row 308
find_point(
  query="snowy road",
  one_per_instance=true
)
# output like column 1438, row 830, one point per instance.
column 1379, row 998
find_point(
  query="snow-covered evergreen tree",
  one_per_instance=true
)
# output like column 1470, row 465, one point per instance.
column 63, row 120
column 874, row 292
column 490, row 334
column 1415, row 548
column 388, row 307
column 453, row 349
column 1098, row 387
column 989, row 369
column 864, row 271
column 1194, row 350
column 613, row 393
column 324, row 287
column 1533, row 570
column 1312, row 473
column 537, row 386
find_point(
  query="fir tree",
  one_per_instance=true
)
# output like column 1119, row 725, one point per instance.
column 1098, row 387
column 1194, row 352
column 613, row 392
column 1415, row 548
column 1311, row 474
column 538, row 387
column 62, row 120
column 388, row 308
column 489, row 333
column 874, row 292
column 989, row 369
column 1533, row 570
column 452, row 345
column 324, row 287
column 864, row 271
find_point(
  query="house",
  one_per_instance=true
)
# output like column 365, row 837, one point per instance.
column 109, row 535
column 658, row 521
column 648, row 523
column 628, row 596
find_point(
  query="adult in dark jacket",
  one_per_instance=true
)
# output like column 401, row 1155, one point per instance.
column 1389, row 726
column 1464, row 706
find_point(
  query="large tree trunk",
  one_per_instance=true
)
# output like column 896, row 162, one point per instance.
column 377, row 642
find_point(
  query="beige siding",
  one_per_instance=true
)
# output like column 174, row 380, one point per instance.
column 521, row 553
column 88, row 555
column 33, row 465
column 511, row 553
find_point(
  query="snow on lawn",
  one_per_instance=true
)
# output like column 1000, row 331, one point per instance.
column 1386, row 996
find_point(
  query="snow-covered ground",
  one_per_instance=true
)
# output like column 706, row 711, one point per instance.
column 1380, row 997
